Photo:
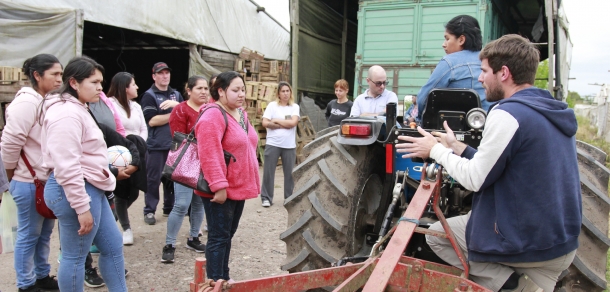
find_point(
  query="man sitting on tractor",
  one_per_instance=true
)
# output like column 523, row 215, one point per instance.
column 373, row 101
column 522, row 231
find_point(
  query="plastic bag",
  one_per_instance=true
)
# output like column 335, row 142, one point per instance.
column 8, row 223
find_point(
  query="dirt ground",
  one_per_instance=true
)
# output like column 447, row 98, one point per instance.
column 257, row 250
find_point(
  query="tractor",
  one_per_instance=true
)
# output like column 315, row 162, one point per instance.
column 352, row 188
column 359, row 212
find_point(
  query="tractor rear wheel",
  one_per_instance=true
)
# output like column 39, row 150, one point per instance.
column 334, row 205
column 588, row 270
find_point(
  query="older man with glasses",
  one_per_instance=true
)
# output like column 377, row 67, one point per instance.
column 373, row 101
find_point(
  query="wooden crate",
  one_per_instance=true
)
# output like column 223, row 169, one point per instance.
column 305, row 130
column 245, row 53
column 273, row 67
column 262, row 132
column 270, row 92
column 239, row 65
column 10, row 74
column 253, row 66
column 270, row 77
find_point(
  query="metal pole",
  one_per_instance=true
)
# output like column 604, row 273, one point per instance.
column 344, row 40
column 294, row 62
column 548, row 7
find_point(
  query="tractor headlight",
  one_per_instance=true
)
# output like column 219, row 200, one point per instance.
column 476, row 118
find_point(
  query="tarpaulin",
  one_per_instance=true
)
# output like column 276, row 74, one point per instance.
column 226, row 25
column 26, row 31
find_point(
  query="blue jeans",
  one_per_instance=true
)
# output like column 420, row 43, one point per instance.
column 223, row 220
column 31, row 259
column 105, row 234
column 184, row 197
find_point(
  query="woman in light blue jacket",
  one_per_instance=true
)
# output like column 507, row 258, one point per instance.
column 461, row 67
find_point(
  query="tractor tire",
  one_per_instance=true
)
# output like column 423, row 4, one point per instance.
column 588, row 270
column 337, row 193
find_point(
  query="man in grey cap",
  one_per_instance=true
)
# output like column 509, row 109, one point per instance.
column 157, row 104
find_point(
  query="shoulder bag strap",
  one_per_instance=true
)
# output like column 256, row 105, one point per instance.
column 27, row 163
column 224, row 115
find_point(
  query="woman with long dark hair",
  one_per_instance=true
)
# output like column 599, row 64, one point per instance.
column 183, row 119
column 73, row 147
column 234, row 183
column 21, row 140
column 123, row 90
column 461, row 67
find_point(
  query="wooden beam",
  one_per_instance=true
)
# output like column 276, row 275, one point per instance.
column 344, row 40
column 294, row 62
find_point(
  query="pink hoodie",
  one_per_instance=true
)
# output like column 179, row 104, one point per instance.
column 117, row 119
column 22, row 131
column 241, row 179
column 73, row 147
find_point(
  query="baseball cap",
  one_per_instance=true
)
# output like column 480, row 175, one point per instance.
column 160, row 66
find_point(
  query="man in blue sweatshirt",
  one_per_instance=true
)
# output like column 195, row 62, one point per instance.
column 522, row 231
column 157, row 104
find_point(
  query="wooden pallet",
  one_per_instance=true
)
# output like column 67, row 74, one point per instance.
column 8, row 75
column 305, row 130
column 305, row 134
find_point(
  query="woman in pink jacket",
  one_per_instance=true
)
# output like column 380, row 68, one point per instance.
column 234, row 183
column 73, row 148
column 22, row 136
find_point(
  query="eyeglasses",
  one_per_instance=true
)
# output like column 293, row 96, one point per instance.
column 380, row 83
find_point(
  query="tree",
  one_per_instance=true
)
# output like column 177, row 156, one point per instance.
column 573, row 98
column 542, row 75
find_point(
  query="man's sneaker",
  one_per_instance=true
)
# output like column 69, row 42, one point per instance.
column 92, row 279
column 266, row 203
column 127, row 237
column 168, row 254
column 150, row 219
column 195, row 245
column 525, row 285
column 47, row 283
column 94, row 250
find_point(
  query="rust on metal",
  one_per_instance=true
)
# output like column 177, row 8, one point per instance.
column 398, row 243
column 357, row 280
column 448, row 232
column 430, row 232
column 426, row 186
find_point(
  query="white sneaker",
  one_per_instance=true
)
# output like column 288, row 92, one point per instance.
column 266, row 203
column 127, row 237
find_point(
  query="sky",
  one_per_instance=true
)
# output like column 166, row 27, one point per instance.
column 589, row 31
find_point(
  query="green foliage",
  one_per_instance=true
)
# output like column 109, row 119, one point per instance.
column 573, row 98
column 542, row 75
column 588, row 133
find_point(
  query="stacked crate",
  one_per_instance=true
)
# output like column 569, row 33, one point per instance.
column 12, row 79
column 252, row 66
column 9, row 75
column 258, row 96
column 305, row 134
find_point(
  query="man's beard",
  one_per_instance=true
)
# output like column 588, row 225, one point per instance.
column 494, row 93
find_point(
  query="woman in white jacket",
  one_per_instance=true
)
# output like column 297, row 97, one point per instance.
column 22, row 138
column 123, row 90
